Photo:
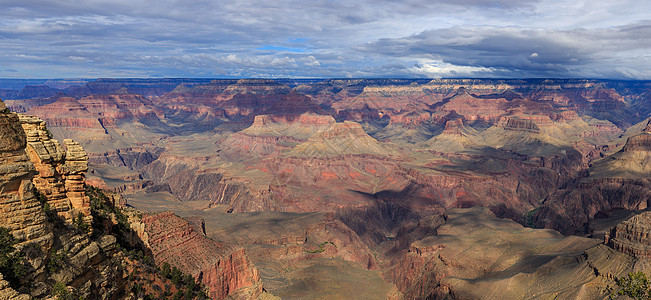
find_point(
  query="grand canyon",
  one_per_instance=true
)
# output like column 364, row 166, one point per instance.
column 325, row 188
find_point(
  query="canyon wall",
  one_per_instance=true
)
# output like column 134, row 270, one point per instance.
column 224, row 271
column 21, row 210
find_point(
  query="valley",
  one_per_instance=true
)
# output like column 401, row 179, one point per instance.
column 351, row 188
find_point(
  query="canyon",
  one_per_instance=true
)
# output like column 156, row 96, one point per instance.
column 339, row 188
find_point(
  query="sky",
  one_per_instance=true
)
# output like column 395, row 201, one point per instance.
column 325, row 38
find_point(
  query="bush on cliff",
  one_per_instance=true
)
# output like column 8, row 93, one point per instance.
column 635, row 285
column 12, row 262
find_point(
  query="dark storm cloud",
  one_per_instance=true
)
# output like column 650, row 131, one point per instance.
column 514, row 51
column 325, row 38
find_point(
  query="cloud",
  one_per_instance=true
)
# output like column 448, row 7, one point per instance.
column 439, row 69
column 326, row 38
column 515, row 51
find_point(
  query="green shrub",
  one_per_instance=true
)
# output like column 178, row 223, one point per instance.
column 80, row 223
column 166, row 270
column 176, row 276
column 321, row 247
column 12, row 262
column 635, row 285
column 60, row 290
column 529, row 217
column 55, row 261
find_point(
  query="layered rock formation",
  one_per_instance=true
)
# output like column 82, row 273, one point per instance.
column 224, row 271
column 456, row 136
column 620, row 180
column 54, row 253
column 394, row 156
column 632, row 236
column 477, row 256
column 339, row 139
column 60, row 177
column 640, row 142
column 6, row 292
column 21, row 211
column 272, row 134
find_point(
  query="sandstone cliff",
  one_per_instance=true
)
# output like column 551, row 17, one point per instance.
column 60, row 255
column 21, row 211
column 25, row 216
column 60, row 177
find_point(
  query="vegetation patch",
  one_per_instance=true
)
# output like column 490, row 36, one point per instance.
column 529, row 217
column 321, row 247
column 635, row 285
column 146, row 280
column 12, row 262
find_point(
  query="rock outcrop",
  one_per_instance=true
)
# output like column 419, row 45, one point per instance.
column 90, row 266
column 340, row 139
column 7, row 293
column 271, row 134
column 520, row 124
column 640, row 142
column 60, row 178
column 233, row 275
column 20, row 210
column 224, row 271
column 632, row 236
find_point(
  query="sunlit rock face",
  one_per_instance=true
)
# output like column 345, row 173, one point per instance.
column 632, row 236
column 60, row 177
column 21, row 210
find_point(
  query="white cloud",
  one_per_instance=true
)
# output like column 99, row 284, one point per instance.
column 438, row 69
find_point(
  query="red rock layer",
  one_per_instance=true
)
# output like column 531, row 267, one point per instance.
column 525, row 123
column 247, row 144
column 418, row 275
column 95, row 112
column 570, row 211
column 640, row 142
column 175, row 241
column 454, row 127
column 233, row 274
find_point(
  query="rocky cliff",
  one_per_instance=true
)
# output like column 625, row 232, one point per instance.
column 620, row 180
column 21, row 211
column 60, row 177
column 56, row 254
column 632, row 236
column 80, row 261
column 340, row 139
column 224, row 271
